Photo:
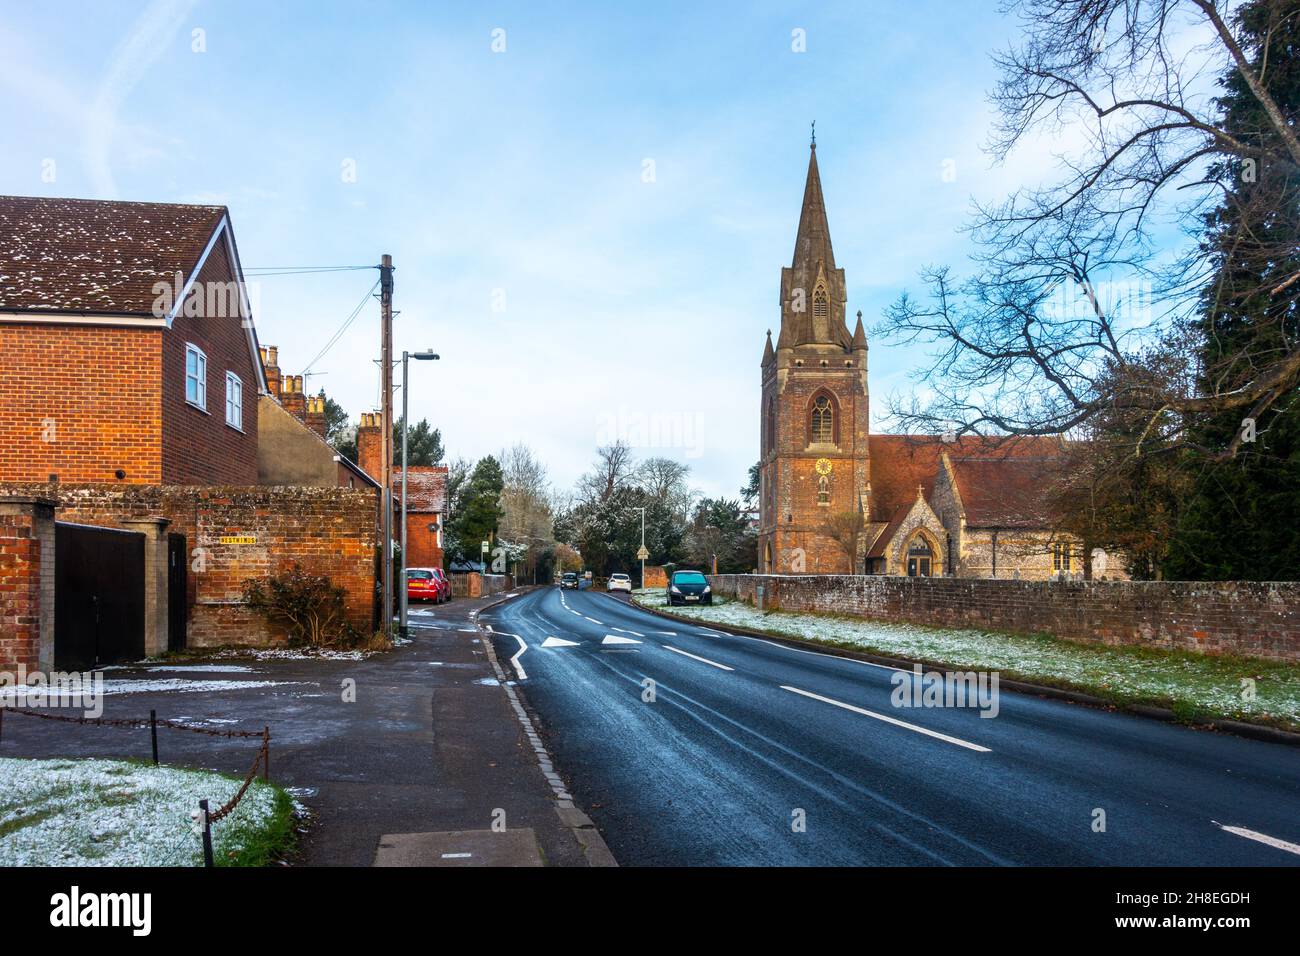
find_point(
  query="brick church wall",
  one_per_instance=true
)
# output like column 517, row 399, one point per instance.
column 329, row 531
column 1256, row 619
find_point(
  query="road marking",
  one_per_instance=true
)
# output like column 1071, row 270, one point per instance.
column 667, row 633
column 593, row 621
column 457, row 856
column 579, row 613
column 519, row 668
column 558, row 642
column 615, row 639
column 627, row 631
column 890, row 720
column 702, row 660
column 1259, row 837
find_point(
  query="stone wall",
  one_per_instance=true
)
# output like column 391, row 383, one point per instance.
column 331, row 531
column 1258, row 619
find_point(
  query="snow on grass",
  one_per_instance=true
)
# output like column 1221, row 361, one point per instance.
column 1190, row 684
column 118, row 813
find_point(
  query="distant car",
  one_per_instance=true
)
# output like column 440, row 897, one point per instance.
column 569, row 580
column 619, row 582
column 422, row 585
column 689, row 587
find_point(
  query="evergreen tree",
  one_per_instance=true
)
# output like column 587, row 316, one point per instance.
column 1243, row 519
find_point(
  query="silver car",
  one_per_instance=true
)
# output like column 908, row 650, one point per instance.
column 619, row 582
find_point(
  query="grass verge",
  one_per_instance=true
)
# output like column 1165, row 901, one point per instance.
column 94, row 812
column 1196, row 687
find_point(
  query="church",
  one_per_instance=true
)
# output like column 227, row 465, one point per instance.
column 836, row 499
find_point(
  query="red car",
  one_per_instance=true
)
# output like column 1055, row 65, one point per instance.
column 427, row 584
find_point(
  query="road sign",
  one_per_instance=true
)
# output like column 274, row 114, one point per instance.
column 642, row 553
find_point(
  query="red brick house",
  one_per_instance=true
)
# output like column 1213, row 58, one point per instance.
column 129, row 352
column 426, row 497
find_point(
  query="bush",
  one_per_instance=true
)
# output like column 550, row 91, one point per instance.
column 309, row 606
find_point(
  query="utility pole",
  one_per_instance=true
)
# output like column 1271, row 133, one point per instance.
column 427, row 355
column 386, row 428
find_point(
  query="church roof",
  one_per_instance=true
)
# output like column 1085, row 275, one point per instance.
column 1000, row 480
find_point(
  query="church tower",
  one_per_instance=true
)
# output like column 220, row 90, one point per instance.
column 814, row 467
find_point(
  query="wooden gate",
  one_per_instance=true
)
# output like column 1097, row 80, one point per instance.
column 98, row 596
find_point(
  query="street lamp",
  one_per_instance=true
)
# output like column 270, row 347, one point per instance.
column 426, row 356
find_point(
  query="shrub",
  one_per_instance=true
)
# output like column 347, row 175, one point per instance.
column 309, row 606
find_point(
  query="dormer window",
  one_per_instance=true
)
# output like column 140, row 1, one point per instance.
column 821, row 303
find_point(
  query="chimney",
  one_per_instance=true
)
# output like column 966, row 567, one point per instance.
column 369, row 446
column 271, row 366
column 292, row 398
column 316, row 413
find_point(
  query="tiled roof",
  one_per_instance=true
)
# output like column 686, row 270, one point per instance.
column 1005, row 493
column 426, row 488
column 85, row 255
column 900, row 462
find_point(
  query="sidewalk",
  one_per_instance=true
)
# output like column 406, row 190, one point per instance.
column 430, row 746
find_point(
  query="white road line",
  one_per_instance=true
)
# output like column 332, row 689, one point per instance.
column 594, row 621
column 1259, row 837
column 519, row 668
column 702, row 660
column 457, row 856
column 627, row 631
column 667, row 633
column 890, row 720
column 615, row 639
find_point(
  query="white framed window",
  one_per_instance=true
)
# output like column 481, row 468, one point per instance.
column 234, row 401
column 196, row 376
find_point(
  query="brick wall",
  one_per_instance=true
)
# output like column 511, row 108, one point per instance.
column 80, row 402
column 423, row 549
column 26, row 580
column 198, row 447
column 1258, row 619
column 327, row 530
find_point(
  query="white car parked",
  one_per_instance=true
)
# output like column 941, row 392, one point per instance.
column 619, row 582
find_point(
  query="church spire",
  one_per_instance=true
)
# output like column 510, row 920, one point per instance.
column 768, row 354
column 812, row 246
column 813, row 292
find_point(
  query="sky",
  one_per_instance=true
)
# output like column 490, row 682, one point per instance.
column 588, row 204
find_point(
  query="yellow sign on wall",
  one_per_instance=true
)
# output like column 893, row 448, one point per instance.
column 237, row 539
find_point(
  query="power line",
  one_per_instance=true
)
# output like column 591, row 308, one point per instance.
column 344, row 327
column 264, row 271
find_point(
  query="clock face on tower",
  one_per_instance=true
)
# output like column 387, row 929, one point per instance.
column 823, row 466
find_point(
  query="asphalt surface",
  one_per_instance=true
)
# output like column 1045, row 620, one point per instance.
column 723, row 765
column 429, row 744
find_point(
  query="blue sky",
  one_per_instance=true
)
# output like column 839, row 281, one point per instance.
column 571, row 299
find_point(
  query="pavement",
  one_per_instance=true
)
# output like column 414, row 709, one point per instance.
column 426, row 765
column 691, row 746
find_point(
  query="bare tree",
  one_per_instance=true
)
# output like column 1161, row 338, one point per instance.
column 666, row 480
column 1074, row 306
column 845, row 529
column 612, row 469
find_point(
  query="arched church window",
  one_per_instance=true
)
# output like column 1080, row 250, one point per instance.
column 821, row 303
column 824, row 490
column 822, row 426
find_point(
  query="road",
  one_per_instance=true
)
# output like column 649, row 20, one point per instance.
column 750, row 752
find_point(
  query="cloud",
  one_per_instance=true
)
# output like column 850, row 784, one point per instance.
column 147, row 40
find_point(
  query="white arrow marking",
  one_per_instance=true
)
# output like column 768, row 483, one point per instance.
column 558, row 642
column 615, row 639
